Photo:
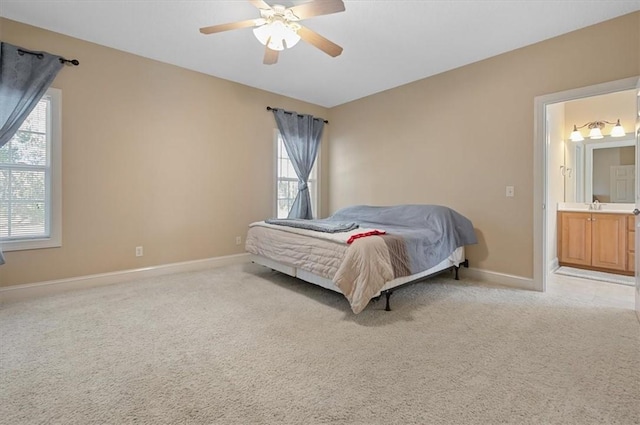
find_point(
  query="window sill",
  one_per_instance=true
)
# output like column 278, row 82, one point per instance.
column 24, row 245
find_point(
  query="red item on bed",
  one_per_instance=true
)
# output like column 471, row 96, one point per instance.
column 363, row 234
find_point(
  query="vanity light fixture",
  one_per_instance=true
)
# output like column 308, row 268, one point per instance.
column 595, row 130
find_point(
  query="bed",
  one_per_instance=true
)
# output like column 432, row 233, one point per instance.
column 364, row 252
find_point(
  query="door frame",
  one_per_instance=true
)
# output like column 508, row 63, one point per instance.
column 540, row 165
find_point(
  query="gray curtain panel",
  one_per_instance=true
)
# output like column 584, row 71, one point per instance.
column 301, row 135
column 24, row 78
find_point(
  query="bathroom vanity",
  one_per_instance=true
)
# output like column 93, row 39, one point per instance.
column 597, row 237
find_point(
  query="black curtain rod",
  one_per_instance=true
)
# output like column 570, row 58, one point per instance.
column 40, row 56
column 269, row 108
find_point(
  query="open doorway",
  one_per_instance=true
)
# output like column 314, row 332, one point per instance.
column 564, row 172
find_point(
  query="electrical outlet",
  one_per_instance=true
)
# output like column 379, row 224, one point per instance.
column 139, row 251
column 510, row 192
column 238, row 240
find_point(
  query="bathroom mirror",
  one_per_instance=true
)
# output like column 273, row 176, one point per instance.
column 602, row 170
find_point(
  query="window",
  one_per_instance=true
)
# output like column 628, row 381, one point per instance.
column 287, row 182
column 30, row 202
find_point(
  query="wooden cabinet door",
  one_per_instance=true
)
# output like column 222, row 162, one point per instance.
column 631, row 243
column 575, row 238
column 609, row 244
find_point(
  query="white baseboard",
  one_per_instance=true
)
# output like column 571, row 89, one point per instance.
column 554, row 265
column 32, row 290
column 498, row 278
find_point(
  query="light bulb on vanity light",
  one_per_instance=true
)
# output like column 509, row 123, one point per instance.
column 618, row 131
column 595, row 133
column 576, row 136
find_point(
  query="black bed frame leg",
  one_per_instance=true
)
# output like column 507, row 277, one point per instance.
column 387, row 295
column 465, row 263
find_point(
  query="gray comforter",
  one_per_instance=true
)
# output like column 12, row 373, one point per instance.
column 325, row 226
column 421, row 235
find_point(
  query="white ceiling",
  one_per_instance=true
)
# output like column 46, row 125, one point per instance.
column 386, row 43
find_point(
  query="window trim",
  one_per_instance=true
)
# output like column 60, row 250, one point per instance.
column 314, row 205
column 54, row 184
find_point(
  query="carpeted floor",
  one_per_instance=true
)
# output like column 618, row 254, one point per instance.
column 244, row 345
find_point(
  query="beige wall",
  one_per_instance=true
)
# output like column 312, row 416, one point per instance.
column 153, row 155
column 628, row 155
column 460, row 137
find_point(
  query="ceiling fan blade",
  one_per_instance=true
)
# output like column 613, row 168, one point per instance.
column 231, row 26
column 312, row 37
column 260, row 4
column 270, row 56
column 317, row 8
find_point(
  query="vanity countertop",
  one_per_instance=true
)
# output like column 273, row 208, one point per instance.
column 601, row 208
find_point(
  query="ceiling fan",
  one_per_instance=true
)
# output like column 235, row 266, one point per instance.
column 278, row 27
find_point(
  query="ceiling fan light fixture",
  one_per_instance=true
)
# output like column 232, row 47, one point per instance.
column 278, row 28
column 276, row 35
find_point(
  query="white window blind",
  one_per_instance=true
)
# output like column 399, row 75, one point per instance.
column 287, row 182
column 26, row 180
